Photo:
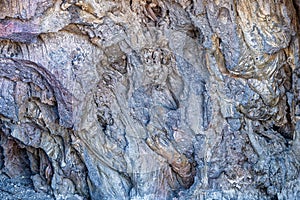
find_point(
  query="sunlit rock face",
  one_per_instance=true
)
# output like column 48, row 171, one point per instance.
column 149, row 99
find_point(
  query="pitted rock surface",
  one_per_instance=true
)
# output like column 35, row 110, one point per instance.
column 149, row 99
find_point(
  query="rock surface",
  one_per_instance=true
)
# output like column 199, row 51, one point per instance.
column 149, row 99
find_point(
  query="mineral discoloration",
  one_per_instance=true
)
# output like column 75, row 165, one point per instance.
column 150, row 99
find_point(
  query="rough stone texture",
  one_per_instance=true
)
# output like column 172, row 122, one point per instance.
column 175, row 99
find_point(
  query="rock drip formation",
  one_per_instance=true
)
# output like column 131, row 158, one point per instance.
column 150, row 99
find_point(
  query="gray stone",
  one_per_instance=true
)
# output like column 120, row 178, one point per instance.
column 149, row 99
